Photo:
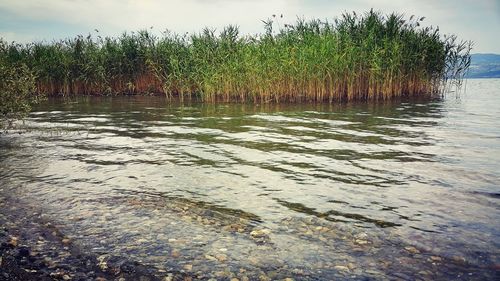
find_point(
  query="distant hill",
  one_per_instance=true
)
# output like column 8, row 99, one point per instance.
column 484, row 66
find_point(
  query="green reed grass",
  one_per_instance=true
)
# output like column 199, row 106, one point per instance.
column 355, row 57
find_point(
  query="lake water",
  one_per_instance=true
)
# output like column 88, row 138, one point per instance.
column 404, row 190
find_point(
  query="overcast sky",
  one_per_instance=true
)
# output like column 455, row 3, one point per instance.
column 28, row 20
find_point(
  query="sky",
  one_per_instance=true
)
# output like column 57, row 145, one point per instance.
column 30, row 20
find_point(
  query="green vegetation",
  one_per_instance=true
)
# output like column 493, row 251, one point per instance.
column 17, row 90
column 356, row 57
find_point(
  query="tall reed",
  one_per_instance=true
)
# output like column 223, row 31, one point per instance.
column 355, row 57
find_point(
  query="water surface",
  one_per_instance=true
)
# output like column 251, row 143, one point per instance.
column 398, row 190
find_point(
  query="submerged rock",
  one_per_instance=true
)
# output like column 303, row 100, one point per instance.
column 412, row 250
column 436, row 258
column 175, row 253
column 341, row 268
column 221, row 257
column 23, row 252
column 361, row 242
column 13, row 241
column 260, row 233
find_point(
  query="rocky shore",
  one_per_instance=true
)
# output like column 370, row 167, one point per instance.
column 33, row 249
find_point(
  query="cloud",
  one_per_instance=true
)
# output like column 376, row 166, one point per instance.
column 469, row 19
column 119, row 15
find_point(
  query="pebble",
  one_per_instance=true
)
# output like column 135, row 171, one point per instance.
column 221, row 257
column 402, row 276
column 176, row 253
column 13, row 241
column 253, row 260
column 341, row 268
column 436, row 258
column 264, row 278
column 361, row 236
column 188, row 267
column 412, row 250
column 260, row 233
column 23, row 251
column 424, row 272
column 458, row 259
column 298, row 271
column 209, row 257
column 221, row 274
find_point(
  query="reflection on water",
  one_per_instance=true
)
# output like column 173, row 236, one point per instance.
column 301, row 190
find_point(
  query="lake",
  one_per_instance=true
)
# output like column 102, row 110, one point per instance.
column 406, row 190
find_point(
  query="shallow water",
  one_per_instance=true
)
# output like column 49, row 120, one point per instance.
column 401, row 190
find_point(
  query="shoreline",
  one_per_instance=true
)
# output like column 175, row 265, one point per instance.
column 33, row 248
column 55, row 257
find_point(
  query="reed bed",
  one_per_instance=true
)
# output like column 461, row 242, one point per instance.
column 355, row 57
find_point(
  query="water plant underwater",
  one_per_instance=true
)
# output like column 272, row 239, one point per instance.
column 355, row 57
